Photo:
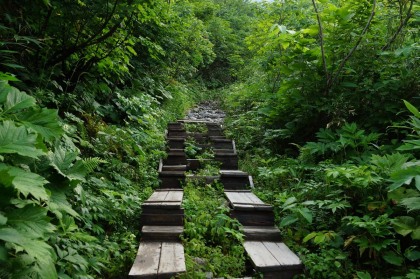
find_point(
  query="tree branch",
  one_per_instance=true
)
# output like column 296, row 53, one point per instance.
column 402, row 24
column 335, row 75
column 321, row 38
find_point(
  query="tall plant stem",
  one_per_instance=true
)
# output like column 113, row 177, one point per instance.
column 335, row 75
column 400, row 27
column 321, row 42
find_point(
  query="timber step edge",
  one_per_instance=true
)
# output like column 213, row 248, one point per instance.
column 273, row 259
column 261, row 233
column 161, row 233
column 158, row 259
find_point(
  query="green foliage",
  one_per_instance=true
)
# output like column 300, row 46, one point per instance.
column 346, row 200
column 212, row 240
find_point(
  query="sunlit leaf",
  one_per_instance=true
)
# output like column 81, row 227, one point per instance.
column 15, row 139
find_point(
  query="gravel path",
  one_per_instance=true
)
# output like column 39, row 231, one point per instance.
column 206, row 111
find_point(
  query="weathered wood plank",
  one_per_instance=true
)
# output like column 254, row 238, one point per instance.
column 261, row 233
column 283, row 254
column 254, row 198
column 172, row 260
column 157, row 196
column 173, row 168
column 253, row 217
column 146, row 264
column 271, row 256
column 233, row 173
column 238, row 197
column 174, row 196
column 261, row 258
column 161, row 218
column 161, row 233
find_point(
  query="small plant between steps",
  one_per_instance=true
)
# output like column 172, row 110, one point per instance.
column 212, row 240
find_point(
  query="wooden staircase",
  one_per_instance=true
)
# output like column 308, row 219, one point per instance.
column 161, row 254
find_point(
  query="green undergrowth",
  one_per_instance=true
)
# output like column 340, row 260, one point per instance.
column 72, row 185
column 348, row 203
column 212, row 240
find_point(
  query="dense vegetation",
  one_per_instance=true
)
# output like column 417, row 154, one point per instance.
column 314, row 90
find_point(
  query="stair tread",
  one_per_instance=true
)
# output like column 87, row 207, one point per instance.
column 163, row 229
column 271, row 256
column 156, row 259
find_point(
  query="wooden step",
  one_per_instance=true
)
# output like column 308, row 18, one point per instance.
column 163, row 208
column 165, row 198
column 174, row 168
column 176, row 142
column 235, row 180
column 175, row 157
column 200, row 138
column 229, row 160
column 195, row 164
column 223, row 143
column 215, row 132
column 175, row 125
column 178, row 168
column 212, row 138
column 261, row 233
column 224, row 151
column 157, row 259
column 273, row 259
column 162, row 233
column 248, row 209
column 171, row 179
column 176, row 133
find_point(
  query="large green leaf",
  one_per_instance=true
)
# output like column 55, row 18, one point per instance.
column 404, row 225
column 62, row 160
column 3, row 219
column 411, row 203
column 405, row 176
column 58, row 204
column 31, row 220
column 393, row 258
column 25, row 182
column 43, row 121
column 17, row 100
column 412, row 109
column 17, row 140
column 36, row 249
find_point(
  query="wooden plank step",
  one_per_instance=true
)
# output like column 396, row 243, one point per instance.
column 176, row 142
column 198, row 137
column 158, row 260
column 174, row 168
column 163, row 197
column 233, row 173
column 171, row 179
column 273, row 259
column 223, row 143
column 162, row 217
column 175, row 125
column 253, row 218
column 235, row 179
column 224, row 151
column 229, row 160
column 176, row 133
column 261, row 233
column 246, row 201
column 194, row 121
column 175, row 157
column 215, row 132
column 162, row 233
column 212, row 138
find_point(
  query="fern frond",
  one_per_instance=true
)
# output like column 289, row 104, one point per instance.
column 92, row 163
